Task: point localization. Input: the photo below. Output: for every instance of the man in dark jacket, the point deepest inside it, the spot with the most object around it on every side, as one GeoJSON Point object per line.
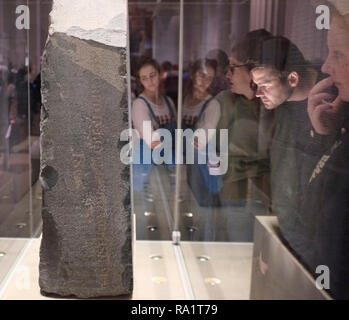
{"type": "Point", "coordinates": [284, 79]}
{"type": "Point", "coordinates": [326, 203]}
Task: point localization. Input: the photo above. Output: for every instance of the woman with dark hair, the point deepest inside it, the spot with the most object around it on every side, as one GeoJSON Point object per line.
{"type": "Point", "coordinates": [156, 110]}
{"type": "Point", "coordinates": [220, 82]}
{"type": "Point", "coordinates": [248, 124]}
{"type": "Point", "coordinates": [201, 111]}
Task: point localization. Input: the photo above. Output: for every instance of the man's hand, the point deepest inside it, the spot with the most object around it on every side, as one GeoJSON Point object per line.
{"type": "Point", "coordinates": [155, 140]}
{"type": "Point", "coordinates": [155, 144]}
{"type": "Point", "coordinates": [196, 143]}
{"type": "Point", "coordinates": [323, 114]}
{"type": "Point", "coordinates": [200, 143]}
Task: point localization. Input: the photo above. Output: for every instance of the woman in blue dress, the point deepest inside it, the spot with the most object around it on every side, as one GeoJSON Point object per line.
{"type": "Point", "coordinates": [151, 110]}
{"type": "Point", "coordinates": [201, 111]}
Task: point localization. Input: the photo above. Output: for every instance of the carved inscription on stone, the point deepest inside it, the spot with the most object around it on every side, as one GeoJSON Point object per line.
{"type": "Point", "coordinates": [86, 245]}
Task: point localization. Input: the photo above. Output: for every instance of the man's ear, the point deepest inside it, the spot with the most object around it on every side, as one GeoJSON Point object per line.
{"type": "Point", "coordinates": [293, 79]}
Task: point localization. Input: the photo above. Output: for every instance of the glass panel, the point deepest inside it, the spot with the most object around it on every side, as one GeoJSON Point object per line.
{"type": "Point", "coordinates": [243, 81]}
{"type": "Point", "coordinates": [38, 32]}
{"type": "Point", "coordinates": [222, 198]}
{"type": "Point", "coordinates": [15, 179]}
{"type": "Point", "coordinates": [154, 68]}
{"type": "Point", "coordinates": [23, 32]}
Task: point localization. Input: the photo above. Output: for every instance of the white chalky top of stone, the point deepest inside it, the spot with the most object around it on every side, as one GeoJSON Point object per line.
{"type": "Point", "coordinates": [104, 21]}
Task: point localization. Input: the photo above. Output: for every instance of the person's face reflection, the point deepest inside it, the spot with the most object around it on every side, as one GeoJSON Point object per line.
{"type": "Point", "coordinates": [149, 78]}
{"type": "Point", "coordinates": [203, 79]}
{"type": "Point", "coordinates": [337, 62]}
{"type": "Point", "coordinates": [270, 89]}
{"type": "Point", "coordinates": [240, 79]}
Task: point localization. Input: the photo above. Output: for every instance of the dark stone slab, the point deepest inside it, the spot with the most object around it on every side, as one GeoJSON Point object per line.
{"type": "Point", "coordinates": [86, 244]}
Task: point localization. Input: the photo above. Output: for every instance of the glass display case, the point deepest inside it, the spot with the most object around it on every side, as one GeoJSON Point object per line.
{"type": "Point", "coordinates": [23, 33]}
{"type": "Point", "coordinates": [219, 63]}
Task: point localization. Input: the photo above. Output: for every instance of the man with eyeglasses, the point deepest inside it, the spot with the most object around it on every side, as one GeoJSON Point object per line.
{"type": "Point", "coordinates": [244, 117]}
{"type": "Point", "coordinates": [284, 80]}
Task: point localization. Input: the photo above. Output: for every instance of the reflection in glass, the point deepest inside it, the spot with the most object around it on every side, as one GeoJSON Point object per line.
{"type": "Point", "coordinates": [249, 68]}
{"type": "Point", "coordinates": [154, 95]}
{"type": "Point", "coordinates": [20, 103]}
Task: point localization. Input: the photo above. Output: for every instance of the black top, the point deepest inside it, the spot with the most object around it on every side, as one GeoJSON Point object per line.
{"type": "Point", "coordinates": [294, 153]}
{"type": "Point", "coordinates": [325, 214]}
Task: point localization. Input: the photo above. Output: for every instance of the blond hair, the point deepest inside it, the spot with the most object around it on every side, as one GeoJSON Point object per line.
{"type": "Point", "coordinates": [340, 9]}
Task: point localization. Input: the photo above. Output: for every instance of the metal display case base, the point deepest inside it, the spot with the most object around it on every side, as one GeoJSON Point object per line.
{"type": "Point", "coordinates": [276, 273]}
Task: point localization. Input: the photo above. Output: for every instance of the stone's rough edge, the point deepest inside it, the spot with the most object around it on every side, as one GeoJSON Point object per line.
{"type": "Point", "coordinates": [106, 25]}
{"type": "Point", "coordinates": [127, 273]}
{"type": "Point", "coordinates": [113, 38]}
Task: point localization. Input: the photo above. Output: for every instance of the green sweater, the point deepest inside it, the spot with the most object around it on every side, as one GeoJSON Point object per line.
{"type": "Point", "coordinates": [249, 127]}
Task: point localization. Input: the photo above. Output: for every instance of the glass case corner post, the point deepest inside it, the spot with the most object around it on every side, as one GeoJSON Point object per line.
{"type": "Point", "coordinates": [176, 232]}
{"type": "Point", "coordinates": [27, 64]}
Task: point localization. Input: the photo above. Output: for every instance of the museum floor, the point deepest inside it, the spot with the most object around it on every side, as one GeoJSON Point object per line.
{"type": "Point", "coordinates": [193, 270]}
{"type": "Point", "coordinates": [178, 274]}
